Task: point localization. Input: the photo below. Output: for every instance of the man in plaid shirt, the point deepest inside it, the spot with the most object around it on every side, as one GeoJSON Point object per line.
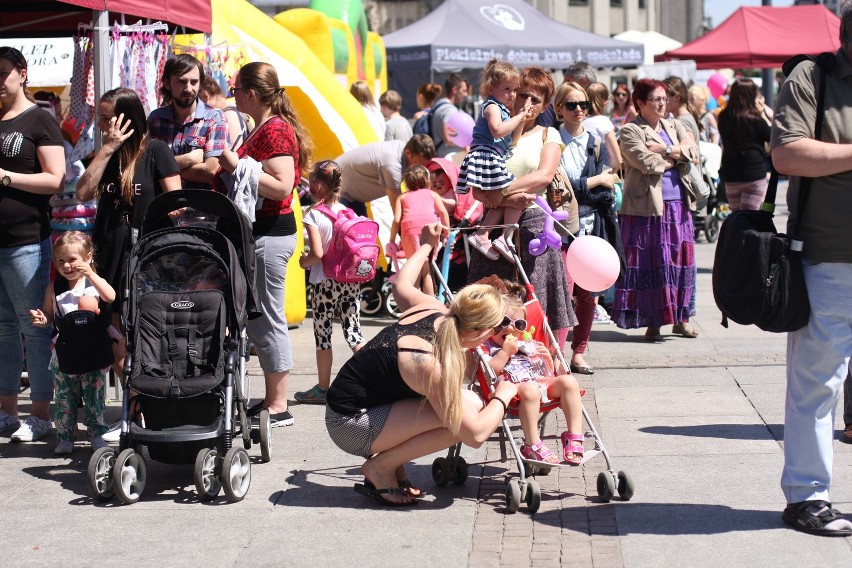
{"type": "Point", "coordinates": [197, 134]}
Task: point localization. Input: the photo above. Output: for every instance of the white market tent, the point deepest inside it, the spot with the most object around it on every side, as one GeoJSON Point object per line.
{"type": "Point", "coordinates": [655, 43]}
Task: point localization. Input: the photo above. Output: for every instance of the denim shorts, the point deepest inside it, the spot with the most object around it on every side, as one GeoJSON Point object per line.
{"type": "Point", "coordinates": [24, 276]}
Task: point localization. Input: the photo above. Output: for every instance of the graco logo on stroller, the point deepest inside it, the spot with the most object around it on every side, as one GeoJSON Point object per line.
{"type": "Point", "coordinates": [183, 305]}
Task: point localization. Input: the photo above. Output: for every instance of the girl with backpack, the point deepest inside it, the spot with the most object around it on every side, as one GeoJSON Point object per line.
{"type": "Point", "coordinates": [79, 371]}
{"type": "Point", "coordinates": [330, 298]}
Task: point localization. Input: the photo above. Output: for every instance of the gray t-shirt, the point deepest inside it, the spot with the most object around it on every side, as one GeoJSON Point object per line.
{"type": "Point", "coordinates": [442, 110]}
{"type": "Point", "coordinates": [825, 229]}
{"type": "Point", "coordinates": [398, 128]}
{"type": "Point", "coordinates": [371, 170]}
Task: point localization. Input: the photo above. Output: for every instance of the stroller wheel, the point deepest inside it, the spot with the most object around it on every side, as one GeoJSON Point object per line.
{"type": "Point", "coordinates": [236, 474]}
{"type": "Point", "coordinates": [129, 474]}
{"type": "Point", "coordinates": [711, 228]}
{"type": "Point", "coordinates": [207, 483]}
{"type": "Point", "coordinates": [513, 496]}
{"type": "Point", "coordinates": [461, 472]}
{"type": "Point", "coordinates": [606, 486]}
{"type": "Point", "coordinates": [265, 436]}
{"type": "Point", "coordinates": [441, 474]}
{"type": "Point", "coordinates": [390, 302]}
{"type": "Point", "coordinates": [371, 301]}
{"type": "Point", "coordinates": [99, 474]}
{"type": "Point", "coordinates": [533, 496]}
{"type": "Point", "coordinates": [625, 486]}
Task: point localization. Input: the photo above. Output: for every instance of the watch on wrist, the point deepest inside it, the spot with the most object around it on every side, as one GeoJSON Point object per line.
{"type": "Point", "coordinates": [5, 181]}
{"type": "Point", "coordinates": [668, 150]}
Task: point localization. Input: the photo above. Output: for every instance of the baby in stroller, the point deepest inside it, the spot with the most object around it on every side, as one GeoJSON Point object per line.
{"type": "Point", "coordinates": [524, 360]}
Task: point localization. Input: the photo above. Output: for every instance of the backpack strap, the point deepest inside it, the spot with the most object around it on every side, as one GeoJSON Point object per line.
{"type": "Point", "coordinates": [326, 210]}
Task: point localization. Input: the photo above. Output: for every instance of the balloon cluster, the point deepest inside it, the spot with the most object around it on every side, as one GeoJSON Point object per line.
{"type": "Point", "coordinates": [548, 237]}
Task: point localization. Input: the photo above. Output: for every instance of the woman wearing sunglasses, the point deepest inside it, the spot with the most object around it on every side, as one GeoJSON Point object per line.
{"type": "Point", "coordinates": [32, 167]}
{"type": "Point", "coordinates": [656, 219]}
{"type": "Point", "coordinates": [585, 160]}
{"type": "Point", "coordinates": [623, 110]}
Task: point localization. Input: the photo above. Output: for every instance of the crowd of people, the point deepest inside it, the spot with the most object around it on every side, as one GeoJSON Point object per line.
{"type": "Point", "coordinates": [400, 396]}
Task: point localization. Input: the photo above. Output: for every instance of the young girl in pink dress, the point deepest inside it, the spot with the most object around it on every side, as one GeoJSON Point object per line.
{"type": "Point", "coordinates": [415, 209]}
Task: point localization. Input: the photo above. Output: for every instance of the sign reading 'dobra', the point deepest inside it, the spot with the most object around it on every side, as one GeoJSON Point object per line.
{"type": "Point", "coordinates": [503, 16]}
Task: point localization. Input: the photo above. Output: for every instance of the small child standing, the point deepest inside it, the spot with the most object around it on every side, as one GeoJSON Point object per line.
{"type": "Point", "coordinates": [509, 362]}
{"type": "Point", "coordinates": [494, 133]}
{"type": "Point", "coordinates": [78, 288]}
{"type": "Point", "coordinates": [415, 209]}
{"type": "Point", "coordinates": [330, 298]}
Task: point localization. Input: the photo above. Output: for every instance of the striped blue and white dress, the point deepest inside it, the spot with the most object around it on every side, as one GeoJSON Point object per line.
{"type": "Point", "coordinates": [485, 165]}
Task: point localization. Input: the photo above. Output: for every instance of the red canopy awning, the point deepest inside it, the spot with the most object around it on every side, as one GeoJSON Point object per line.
{"type": "Point", "coordinates": [60, 17]}
{"type": "Point", "coordinates": [762, 37]}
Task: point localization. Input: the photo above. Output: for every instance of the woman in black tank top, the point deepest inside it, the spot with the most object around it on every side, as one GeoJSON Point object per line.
{"type": "Point", "coordinates": [400, 396]}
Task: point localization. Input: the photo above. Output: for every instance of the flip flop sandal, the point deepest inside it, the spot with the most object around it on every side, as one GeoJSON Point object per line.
{"type": "Point", "coordinates": [813, 517]}
{"type": "Point", "coordinates": [409, 489]}
{"type": "Point", "coordinates": [572, 453]}
{"type": "Point", "coordinates": [537, 454]}
{"type": "Point", "coordinates": [684, 330]}
{"type": "Point", "coordinates": [367, 489]}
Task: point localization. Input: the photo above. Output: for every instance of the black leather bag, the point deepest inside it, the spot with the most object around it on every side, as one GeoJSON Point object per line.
{"type": "Point", "coordinates": [757, 276]}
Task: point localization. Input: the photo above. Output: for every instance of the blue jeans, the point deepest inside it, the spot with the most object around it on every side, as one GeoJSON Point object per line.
{"type": "Point", "coordinates": [24, 276]}
{"type": "Point", "coordinates": [817, 364]}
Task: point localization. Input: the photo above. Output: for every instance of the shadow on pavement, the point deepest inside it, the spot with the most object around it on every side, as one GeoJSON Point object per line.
{"type": "Point", "coordinates": [724, 431]}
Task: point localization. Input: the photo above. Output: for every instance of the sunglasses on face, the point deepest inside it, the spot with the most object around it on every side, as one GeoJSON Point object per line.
{"type": "Point", "coordinates": [234, 90]}
{"type": "Point", "coordinates": [621, 94]}
{"type": "Point", "coordinates": [518, 324]}
{"type": "Point", "coordinates": [572, 105]}
{"type": "Point", "coordinates": [535, 100]}
{"type": "Point", "coordinates": [658, 100]}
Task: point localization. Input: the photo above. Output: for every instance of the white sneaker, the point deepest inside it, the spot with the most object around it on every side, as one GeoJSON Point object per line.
{"type": "Point", "coordinates": [8, 422]}
{"type": "Point", "coordinates": [64, 448]}
{"type": "Point", "coordinates": [32, 429]}
{"type": "Point", "coordinates": [114, 432]}
{"type": "Point", "coordinates": [600, 315]}
{"type": "Point", "coordinates": [97, 442]}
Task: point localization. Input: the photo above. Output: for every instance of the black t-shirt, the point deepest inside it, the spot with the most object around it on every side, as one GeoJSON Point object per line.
{"type": "Point", "coordinates": [747, 162]}
{"type": "Point", "coordinates": [24, 218]}
{"type": "Point", "coordinates": [111, 237]}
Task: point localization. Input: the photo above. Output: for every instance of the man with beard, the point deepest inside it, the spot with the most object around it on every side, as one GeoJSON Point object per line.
{"type": "Point", "coordinates": [197, 134]}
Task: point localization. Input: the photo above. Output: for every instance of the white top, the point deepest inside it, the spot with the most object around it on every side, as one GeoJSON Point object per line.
{"type": "Point", "coordinates": [67, 301]}
{"type": "Point", "coordinates": [599, 125]}
{"type": "Point", "coordinates": [574, 156]}
{"type": "Point", "coordinates": [325, 226]}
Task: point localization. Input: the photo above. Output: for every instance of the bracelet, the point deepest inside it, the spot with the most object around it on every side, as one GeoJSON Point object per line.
{"type": "Point", "coordinates": [500, 400]}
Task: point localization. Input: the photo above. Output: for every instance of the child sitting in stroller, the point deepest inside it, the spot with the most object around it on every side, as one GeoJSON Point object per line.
{"type": "Point", "coordinates": [529, 362]}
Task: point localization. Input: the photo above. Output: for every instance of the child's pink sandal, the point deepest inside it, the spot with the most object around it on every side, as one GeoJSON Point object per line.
{"type": "Point", "coordinates": [538, 452]}
{"type": "Point", "coordinates": [572, 453]}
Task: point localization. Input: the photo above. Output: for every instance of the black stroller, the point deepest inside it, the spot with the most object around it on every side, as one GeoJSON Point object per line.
{"type": "Point", "coordinates": [189, 295]}
{"type": "Point", "coordinates": [708, 219]}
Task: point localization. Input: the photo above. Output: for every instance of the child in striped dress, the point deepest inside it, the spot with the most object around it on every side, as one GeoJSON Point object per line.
{"type": "Point", "coordinates": [494, 133]}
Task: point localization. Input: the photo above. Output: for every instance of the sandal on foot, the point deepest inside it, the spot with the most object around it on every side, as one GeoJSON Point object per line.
{"type": "Point", "coordinates": [369, 490]}
{"type": "Point", "coordinates": [538, 453]}
{"type": "Point", "coordinates": [572, 453]}
{"type": "Point", "coordinates": [816, 517]}
{"type": "Point", "coordinates": [685, 330]}
{"type": "Point", "coordinates": [410, 489]}
{"type": "Point", "coordinates": [483, 245]}
{"type": "Point", "coordinates": [846, 435]}
{"type": "Point", "coordinates": [652, 334]}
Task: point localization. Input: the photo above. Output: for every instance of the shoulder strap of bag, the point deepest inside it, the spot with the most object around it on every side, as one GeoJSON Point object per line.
{"type": "Point", "coordinates": [825, 64]}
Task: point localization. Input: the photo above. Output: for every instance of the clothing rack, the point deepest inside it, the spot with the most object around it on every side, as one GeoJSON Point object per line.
{"type": "Point", "coordinates": [126, 28]}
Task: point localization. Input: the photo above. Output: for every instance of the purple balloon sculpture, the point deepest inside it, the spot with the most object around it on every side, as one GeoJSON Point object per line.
{"type": "Point", "coordinates": [548, 237]}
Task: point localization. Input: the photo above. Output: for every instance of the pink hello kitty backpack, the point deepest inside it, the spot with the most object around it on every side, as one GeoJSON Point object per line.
{"type": "Point", "coordinates": [354, 248]}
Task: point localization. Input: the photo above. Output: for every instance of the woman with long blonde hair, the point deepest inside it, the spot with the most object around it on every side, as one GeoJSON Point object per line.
{"type": "Point", "coordinates": [400, 396]}
{"type": "Point", "coordinates": [278, 150]}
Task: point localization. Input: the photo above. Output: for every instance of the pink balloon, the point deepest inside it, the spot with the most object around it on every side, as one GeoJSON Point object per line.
{"type": "Point", "coordinates": [717, 84]}
{"type": "Point", "coordinates": [462, 124]}
{"type": "Point", "coordinates": [592, 263]}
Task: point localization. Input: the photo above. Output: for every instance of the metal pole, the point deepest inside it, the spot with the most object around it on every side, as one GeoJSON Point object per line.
{"type": "Point", "coordinates": [102, 71]}
{"type": "Point", "coordinates": [768, 76]}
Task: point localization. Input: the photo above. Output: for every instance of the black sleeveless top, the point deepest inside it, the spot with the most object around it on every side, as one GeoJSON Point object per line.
{"type": "Point", "coordinates": [371, 376]}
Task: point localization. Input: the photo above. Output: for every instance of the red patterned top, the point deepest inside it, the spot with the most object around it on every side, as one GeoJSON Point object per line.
{"type": "Point", "coordinates": [275, 137]}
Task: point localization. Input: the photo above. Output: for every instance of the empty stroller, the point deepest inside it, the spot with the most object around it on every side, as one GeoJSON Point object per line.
{"type": "Point", "coordinates": [189, 296]}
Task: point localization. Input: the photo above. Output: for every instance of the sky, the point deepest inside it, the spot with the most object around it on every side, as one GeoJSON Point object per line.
{"type": "Point", "coordinates": [719, 10]}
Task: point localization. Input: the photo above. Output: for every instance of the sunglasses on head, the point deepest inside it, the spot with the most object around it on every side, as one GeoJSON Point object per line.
{"type": "Point", "coordinates": [573, 105]}
{"type": "Point", "coordinates": [518, 324]}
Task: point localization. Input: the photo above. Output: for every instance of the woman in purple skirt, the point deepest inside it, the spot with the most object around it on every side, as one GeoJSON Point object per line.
{"type": "Point", "coordinates": [656, 220]}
